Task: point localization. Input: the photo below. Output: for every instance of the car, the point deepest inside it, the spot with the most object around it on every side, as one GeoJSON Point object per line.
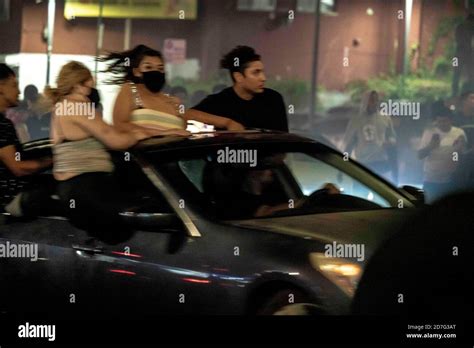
{"type": "Point", "coordinates": [251, 222]}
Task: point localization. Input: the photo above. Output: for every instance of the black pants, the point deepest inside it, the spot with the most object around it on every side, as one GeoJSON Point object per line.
{"type": "Point", "coordinates": [92, 202]}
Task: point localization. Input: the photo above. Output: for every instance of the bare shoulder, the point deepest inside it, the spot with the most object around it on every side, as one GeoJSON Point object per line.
{"type": "Point", "coordinates": [126, 88]}
{"type": "Point", "coordinates": [172, 99]}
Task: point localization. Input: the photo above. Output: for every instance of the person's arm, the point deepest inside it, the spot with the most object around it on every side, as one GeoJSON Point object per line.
{"type": "Point", "coordinates": [8, 156]}
{"type": "Point", "coordinates": [217, 121]}
{"type": "Point", "coordinates": [426, 148]}
{"type": "Point", "coordinates": [460, 143]}
{"type": "Point", "coordinates": [208, 111]}
{"type": "Point", "coordinates": [391, 135]}
{"type": "Point", "coordinates": [110, 136]}
{"type": "Point", "coordinates": [349, 139]}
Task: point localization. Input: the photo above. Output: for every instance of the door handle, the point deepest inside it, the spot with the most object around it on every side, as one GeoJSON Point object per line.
{"type": "Point", "coordinates": [88, 249]}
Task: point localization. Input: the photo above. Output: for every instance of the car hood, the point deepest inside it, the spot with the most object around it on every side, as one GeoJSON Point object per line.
{"type": "Point", "coordinates": [369, 227]}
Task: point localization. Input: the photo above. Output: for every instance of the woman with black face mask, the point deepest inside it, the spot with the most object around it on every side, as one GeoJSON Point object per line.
{"type": "Point", "coordinates": [141, 102]}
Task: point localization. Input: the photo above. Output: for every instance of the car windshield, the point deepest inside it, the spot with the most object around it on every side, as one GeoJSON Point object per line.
{"type": "Point", "coordinates": [245, 182]}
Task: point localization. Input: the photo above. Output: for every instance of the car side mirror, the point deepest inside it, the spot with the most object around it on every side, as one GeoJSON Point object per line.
{"type": "Point", "coordinates": [417, 194]}
{"type": "Point", "coordinates": [163, 222]}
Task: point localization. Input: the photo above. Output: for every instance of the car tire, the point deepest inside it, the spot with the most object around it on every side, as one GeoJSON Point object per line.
{"type": "Point", "coordinates": [287, 302]}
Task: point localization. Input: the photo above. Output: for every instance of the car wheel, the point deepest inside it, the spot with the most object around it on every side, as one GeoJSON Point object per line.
{"type": "Point", "coordinates": [288, 302]}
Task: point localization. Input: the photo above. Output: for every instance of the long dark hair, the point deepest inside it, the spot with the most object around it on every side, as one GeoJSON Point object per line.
{"type": "Point", "coordinates": [121, 64]}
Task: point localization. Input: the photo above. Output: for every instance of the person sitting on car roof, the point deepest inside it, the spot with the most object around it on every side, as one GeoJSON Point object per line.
{"type": "Point", "coordinates": [11, 165]}
{"type": "Point", "coordinates": [141, 102]}
{"type": "Point", "coordinates": [82, 164]}
{"type": "Point", "coordinates": [247, 101]}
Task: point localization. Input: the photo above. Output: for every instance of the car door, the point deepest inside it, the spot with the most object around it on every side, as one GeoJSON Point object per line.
{"type": "Point", "coordinates": [41, 277]}
{"type": "Point", "coordinates": [137, 276]}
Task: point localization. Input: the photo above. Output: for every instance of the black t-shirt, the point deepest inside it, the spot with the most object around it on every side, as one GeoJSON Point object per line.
{"type": "Point", "coordinates": [265, 110]}
{"type": "Point", "coordinates": [9, 184]}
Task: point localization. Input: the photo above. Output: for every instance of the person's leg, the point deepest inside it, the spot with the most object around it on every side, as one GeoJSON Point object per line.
{"type": "Point", "coordinates": [75, 195]}
{"type": "Point", "coordinates": [94, 202]}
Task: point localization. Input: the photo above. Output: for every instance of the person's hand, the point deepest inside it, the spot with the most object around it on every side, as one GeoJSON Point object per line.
{"type": "Point", "coordinates": [175, 132]}
{"type": "Point", "coordinates": [458, 144]}
{"type": "Point", "coordinates": [300, 202]}
{"type": "Point", "coordinates": [235, 126]}
{"type": "Point", "coordinates": [264, 210]}
{"type": "Point", "coordinates": [435, 141]}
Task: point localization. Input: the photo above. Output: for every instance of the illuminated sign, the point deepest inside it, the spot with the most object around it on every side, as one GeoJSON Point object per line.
{"type": "Point", "coordinates": [158, 9]}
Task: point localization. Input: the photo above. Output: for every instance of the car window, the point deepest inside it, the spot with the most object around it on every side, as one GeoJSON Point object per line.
{"type": "Point", "coordinates": [135, 186]}
{"type": "Point", "coordinates": [313, 174]}
{"type": "Point", "coordinates": [276, 184]}
{"type": "Point", "coordinates": [194, 169]}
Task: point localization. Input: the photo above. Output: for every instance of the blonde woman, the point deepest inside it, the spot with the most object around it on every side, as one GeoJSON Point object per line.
{"type": "Point", "coordinates": [82, 165]}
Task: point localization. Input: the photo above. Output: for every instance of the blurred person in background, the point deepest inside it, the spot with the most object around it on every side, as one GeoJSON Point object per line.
{"type": "Point", "coordinates": [371, 136]}
{"type": "Point", "coordinates": [247, 102]}
{"type": "Point", "coordinates": [11, 165]}
{"type": "Point", "coordinates": [39, 117]}
{"type": "Point", "coordinates": [198, 96]}
{"type": "Point", "coordinates": [441, 147]}
{"type": "Point", "coordinates": [465, 110]}
{"type": "Point", "coordinates": [141, 102]}
{"type": "Point", "coordinates": [21, 113]}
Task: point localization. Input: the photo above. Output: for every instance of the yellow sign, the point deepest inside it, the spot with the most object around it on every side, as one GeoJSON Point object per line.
{"type": "Point", "coordinates": [159, 9]}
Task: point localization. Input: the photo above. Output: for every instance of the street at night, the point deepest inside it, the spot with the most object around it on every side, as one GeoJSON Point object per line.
{"type": "Point", "coordinates": [245, 172]}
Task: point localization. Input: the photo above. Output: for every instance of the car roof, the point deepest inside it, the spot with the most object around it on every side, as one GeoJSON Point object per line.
{"type": "Point", "coordinates": [219, 138]}
{"type": "Point", "coordinates": [204, 139]}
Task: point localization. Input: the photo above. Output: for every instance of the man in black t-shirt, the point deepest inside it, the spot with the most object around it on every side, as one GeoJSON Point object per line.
{"type": "Point", "coordinates": [247, 102]}
{"type": "Point", "coordinates": [11, 165]}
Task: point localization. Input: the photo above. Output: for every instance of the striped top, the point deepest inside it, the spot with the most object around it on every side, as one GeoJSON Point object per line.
{"type": "Point", "coordinates": [152, 118]}
{"type": "Point", "coordinates": [156, 119]}
{"type": "Point", "coordinates": [81, 156]}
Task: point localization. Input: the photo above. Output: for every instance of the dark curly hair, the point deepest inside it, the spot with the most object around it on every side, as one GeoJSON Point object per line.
{"type": "Point", "coordinates": [5, 72]}
{"type": "Point", "coordinates": [238, 59]}
{"type": "Point", "coordinates": [439, 109]}
{"type": "Point", "coordinates": [121, 64]}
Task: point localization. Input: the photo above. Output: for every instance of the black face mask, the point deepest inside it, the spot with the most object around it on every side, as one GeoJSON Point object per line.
{"type": "Point", "coordinates": [94, 97]}
{"type": "Point", "coordinates": [154, 80]}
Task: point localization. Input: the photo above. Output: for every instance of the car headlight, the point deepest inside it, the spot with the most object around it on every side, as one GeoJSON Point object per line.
{"type": "Point", "coordinates": [342, 272]}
